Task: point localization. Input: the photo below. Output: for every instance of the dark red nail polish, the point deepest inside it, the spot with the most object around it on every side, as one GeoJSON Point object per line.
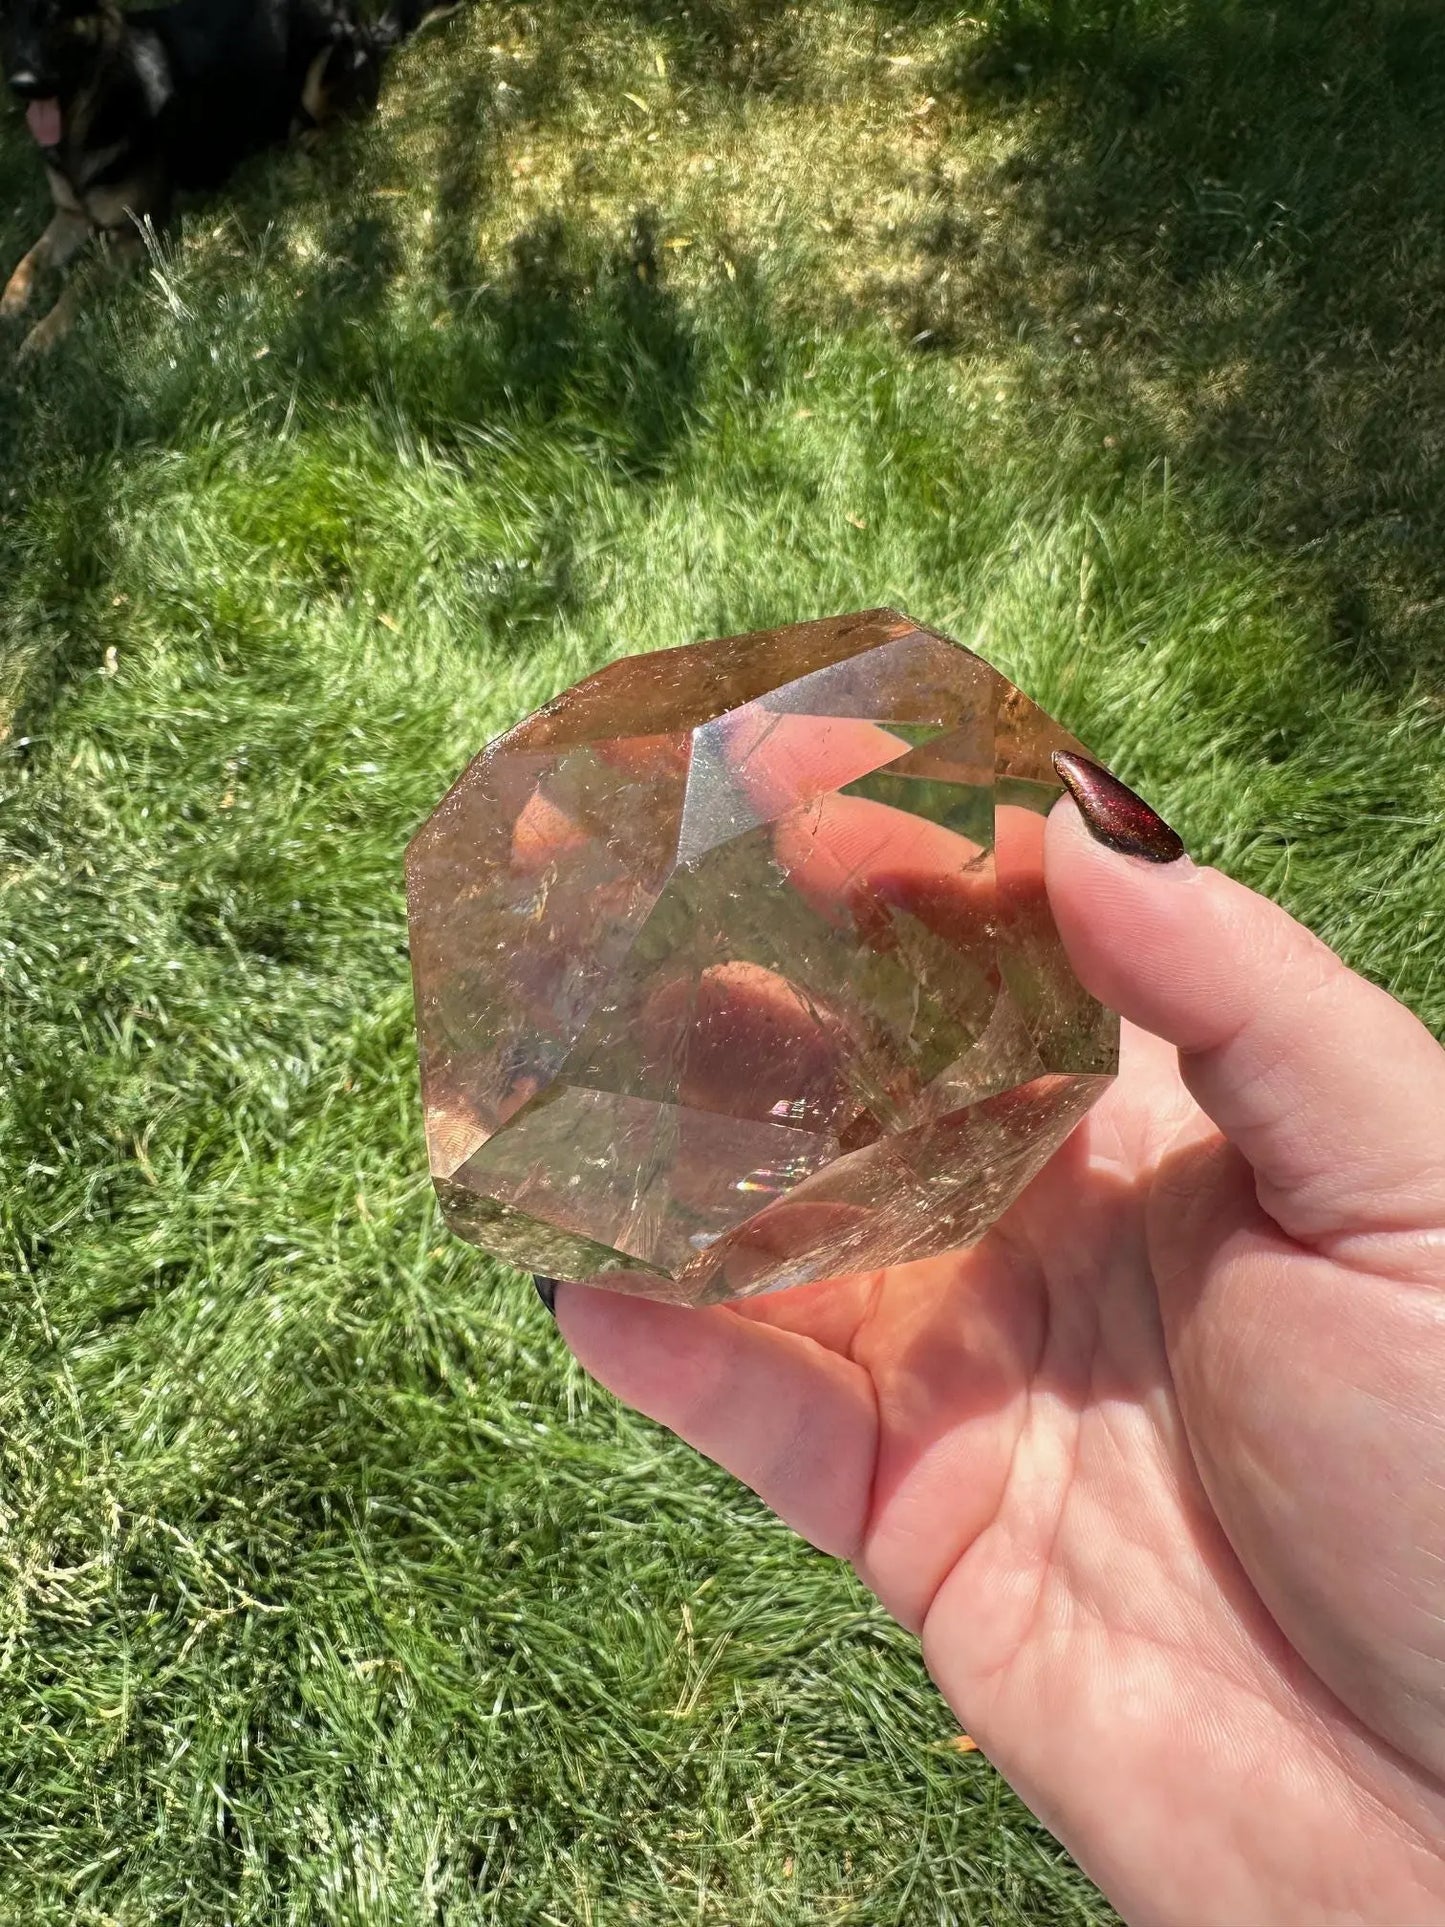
{"type": "Point", "coordinates": [547, 1292]}
{"type": "Point", "coordinates": [1113, 814]}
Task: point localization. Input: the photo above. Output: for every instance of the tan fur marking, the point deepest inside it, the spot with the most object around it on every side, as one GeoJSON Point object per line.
{"type": "Point", "coordinates": [126, 248]}
{"type": "Point", "coordinates": [117, 207]}
{"type": "Point", "coordinates": [61, 192]}
{"type": "Point", "coordinates": [56, 324]}
{"type": "Point", "coordinates": [313, 91]}
{"type": "Point", "coordinates": [21, 285]}
{"type": "Point", "coordinates": [110, 31]}
{"type": "Point", "coordinates": [62, 239]}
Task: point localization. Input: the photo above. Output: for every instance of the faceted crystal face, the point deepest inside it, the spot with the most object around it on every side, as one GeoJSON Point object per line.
{"type": "Point", "coordinates": [734, 966]}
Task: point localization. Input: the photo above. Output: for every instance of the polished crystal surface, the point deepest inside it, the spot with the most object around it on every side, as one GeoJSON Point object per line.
{"type": "Point", "coordinates": [734, 966]}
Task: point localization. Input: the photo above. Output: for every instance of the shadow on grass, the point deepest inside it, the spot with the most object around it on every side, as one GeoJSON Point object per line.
{"type": "Point", "coordinates": [574, 340]}
{"type": "Point", "coordinates": [1215, 232]}
{"type": "Point", "coordinates": [1221, 239]}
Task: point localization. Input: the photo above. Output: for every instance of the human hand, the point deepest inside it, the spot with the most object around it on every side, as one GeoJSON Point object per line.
{"type": "Point", "coordinates": [1157, 1470]}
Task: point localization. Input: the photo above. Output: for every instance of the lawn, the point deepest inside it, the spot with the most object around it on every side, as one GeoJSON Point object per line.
{"type": "Point", "coordinates": [1103, 334]}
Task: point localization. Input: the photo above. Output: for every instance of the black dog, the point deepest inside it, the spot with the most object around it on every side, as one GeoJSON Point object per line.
{"type": "Point", "coordinates": [129, 108]}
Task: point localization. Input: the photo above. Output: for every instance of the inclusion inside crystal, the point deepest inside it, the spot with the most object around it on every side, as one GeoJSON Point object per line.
{"type": "Point", "coordinates": [734, 966]}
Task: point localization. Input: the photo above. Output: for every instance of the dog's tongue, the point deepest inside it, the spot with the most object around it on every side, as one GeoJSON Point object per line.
{"type": "Point", "coordinates": [42, 117]}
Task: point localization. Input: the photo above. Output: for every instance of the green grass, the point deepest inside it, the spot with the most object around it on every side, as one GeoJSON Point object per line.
{"type": "Point", "coordinates": [1104, 335]}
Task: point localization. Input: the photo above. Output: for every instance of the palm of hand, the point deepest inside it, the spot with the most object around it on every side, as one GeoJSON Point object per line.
{"type": "Point", "coordinates": [1031, 1500]}
{"type": "Point", "coordinates": [1160, 1483]}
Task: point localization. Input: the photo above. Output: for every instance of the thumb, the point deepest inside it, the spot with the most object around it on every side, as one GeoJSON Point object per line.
{"type": "Point", "coordinates": [1332, 1091]}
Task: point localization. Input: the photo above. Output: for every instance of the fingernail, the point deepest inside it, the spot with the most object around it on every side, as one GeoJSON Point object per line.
{"type": "Point", "coordinates": [1114, 815]}
{"type": "Point", "coordinates": [547, 1292]}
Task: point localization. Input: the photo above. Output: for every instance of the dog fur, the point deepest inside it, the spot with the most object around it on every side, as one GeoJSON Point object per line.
{"type": "Point", "coordinates": [131, 108]}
